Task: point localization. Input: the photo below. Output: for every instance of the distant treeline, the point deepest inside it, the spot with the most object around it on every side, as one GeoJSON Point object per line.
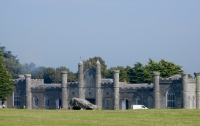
{"type": "Point", "coordinates": [138, 73]}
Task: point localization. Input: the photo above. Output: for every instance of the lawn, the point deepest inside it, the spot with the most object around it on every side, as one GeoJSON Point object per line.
{"type": "Point", "coordinates": [152, 117]}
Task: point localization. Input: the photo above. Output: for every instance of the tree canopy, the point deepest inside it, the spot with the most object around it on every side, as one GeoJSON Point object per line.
{"type": "Point", "coordinates": [11, 62]}
{"type": "Point", "coordinates": [139, 73]}
{"type": "Point", "coordinates": [49, 74]}
{"type": "Point", "coordinates": [143, 74]}
{"type": "Point", "coordinates": [6, 83]}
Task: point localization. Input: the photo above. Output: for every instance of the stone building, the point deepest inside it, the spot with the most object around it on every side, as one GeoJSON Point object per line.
{"type": "Point", "coordinates": [178, 91]}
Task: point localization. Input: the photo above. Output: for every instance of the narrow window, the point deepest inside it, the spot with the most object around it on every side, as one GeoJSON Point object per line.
{"type": "Point", "coordinates": [35, 100]}
{"type": "Point", "coordinates": [170, 99]}
{"type": "Point", "coordinates": [107, 103]}
{"type": "Point", "coordinates": [73, 93]}
{"type": "Point", "coordinates": [89, 93]}
{"type": "Point", "coordinates": [138, 101]}
{"type": "Point", "coordinates": [150, 102]}
{"type": "Point", "coordinates": [46, 102]}
{"type": "Point", "coordinates": [16, 99]}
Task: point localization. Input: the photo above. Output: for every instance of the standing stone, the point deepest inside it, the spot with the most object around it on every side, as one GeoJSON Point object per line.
{"type": "Point", "coordinates": [28, 91]}
{"type": "Point", "coordinates": [81, 81]}
{"type": "Point", "coordinates": [156, 89]}
{"type": "Point", "coordinates": [197, 75]}
{"type": "Point", "coordinates": [116, 89]}
{"type": "Point", "coordinates": [98, 85]}
{"type": "Point", "coordinates": [185, 89]}
{"type": "Point", "coordinates": [64, 90]}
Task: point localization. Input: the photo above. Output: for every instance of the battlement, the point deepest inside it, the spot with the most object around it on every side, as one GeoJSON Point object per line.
{"type": "Point", "coordinates": [37, 81]}
{"type": "Point", "coordinates": [71, 83]}
{"type": "Point", "coordinates": [168, 80]}
{"type": "Point", "coordinates": [136, 86]}
{"type": "Point", "coordinates": [46, 86]}
{"type": "Point", "coordinates": [16, 81]}
{"type": "Point", "coordinates": [107, 83]}
{"type": "Point", "coordinates": [191, 80]}
{"type": "Point", "coordinates": [136, 89]}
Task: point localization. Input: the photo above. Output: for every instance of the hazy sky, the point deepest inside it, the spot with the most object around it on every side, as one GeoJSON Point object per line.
{"type": "Point", "coordinates": [54, 33]}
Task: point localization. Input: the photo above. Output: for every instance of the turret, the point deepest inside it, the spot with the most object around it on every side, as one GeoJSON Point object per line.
{"type": "Point", "coordinates": [64, 90]}
{"type": "Point", "coordinates": [98, 85]}
{"type": "Point", "coordinates": [116, 89]}
{"type": "Point", "coordinates": [197, 76]}
{"type": "Point", "coordinates": [28, 91]}
{"type": "Point", "coordinates": [185, 89]}
{"type": "Point", "coordinates": [156, 89]}
{"type": "Point", "coordinates": [80, 80]}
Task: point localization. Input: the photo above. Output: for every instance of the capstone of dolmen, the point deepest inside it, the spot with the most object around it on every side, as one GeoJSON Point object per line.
{"type": "Point", "coordinates": [78, 103]}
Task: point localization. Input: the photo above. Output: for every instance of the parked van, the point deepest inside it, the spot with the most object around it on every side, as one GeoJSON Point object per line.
{"type": "Point", "coordinates": [139, 107]}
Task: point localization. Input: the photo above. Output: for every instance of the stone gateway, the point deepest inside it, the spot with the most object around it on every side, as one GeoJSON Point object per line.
{"type": "Point", "coordinates": [177, 91]}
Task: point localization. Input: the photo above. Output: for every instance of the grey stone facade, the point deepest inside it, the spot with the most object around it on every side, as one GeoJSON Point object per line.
{"type": "Point", "coordinates": [178, 91]}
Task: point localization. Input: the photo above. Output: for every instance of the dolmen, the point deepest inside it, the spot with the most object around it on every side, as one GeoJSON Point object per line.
{"type": "Point", "coordinates": [82, 104]}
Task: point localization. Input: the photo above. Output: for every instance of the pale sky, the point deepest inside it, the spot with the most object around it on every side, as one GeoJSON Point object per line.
{"type": "Point", "coordinates": [54, 33]}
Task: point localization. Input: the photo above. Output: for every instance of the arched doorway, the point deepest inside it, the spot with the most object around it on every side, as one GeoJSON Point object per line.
{"type": "Point", "coordinates": [58, 103]}
{"type": "Point", "coordinates": [125, 105]}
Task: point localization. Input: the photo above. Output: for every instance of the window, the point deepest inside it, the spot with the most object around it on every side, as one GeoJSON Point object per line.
{"type": "Point", "coordinates": [170, 99]}
{"type": "Point", "coordinates": [46, 100]}
{"type": "Point", "coordinates": [150, 102]}
{"type": "Point", "coordinates": [89, 93]}
{"type": "Point", "coordinates": [73, 93]}
{"type": "Point", "coordinates": [35, 101]}
{"type": "Point", "coordinates": [138, 101]}
{"type": "Point", "coordinates": [193, 102]}
{"type": "Point", "coordinates": [107, 103]}
{"type": "Point", "coordinates": [16, 99]}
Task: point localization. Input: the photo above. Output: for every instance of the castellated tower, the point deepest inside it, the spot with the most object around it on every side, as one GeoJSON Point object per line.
{"type": "Point", "coordinates": [64, 90]}
{"type": "Point", "coordinates": [81, 81]}
{"type": "Point", "coordinates": [98, 85]}
{"type": "Point", "coordinates": [116, 89]}
{"type": "Point", "coordinates": [185, 90]}
{"type": "Point", "coordinates": [197, 76]}
{"type": "Point", "coordinates": [28, 91]}
{"type": "Point", "coordinates": [156, 89]}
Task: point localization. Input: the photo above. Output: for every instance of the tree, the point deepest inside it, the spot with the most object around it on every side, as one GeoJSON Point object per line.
{"type": "Point", "coordinates": [143, 74]}
{"type": "Point", "coordinates": [52, 75]}
{"type": "Point", "coordinates": [49, 75]}
{"type": "Point", "coordinates": [29, 67]}
{"type": "Point", "coordinates": [6, 83]}
{"type": "Point", "coordinates": [11, 63]}
{"type": "Point", "coordinates": [123, 76]}
{"type": "Point", "coordinates": [71, 77]}
{"type": "Point", "coordinates": [139, 74]}
{"type": "Point", "coordinates": [166, 68]}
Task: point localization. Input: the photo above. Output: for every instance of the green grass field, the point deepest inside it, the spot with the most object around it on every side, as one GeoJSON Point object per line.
{"type": "Point", "coordinates": [153, 117]}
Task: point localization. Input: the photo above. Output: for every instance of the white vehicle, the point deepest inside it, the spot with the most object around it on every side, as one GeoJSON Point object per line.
{"type": "Point", "coordinates": [139, 107]}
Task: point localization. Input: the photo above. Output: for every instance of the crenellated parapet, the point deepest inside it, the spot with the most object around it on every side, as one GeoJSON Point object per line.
{"type": "Point", "coordinates": [46, 86]}
{"type": "Point", "coordinates": [169, 80]}
{"type": "Point", "coordinates": [37, 81]}
{"type": "Point", "coordinates": [136, 87]}
{"type": "Point", "coordinates": [72, 83]}
{"type": "Point", "coordinates": [191, 80]}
